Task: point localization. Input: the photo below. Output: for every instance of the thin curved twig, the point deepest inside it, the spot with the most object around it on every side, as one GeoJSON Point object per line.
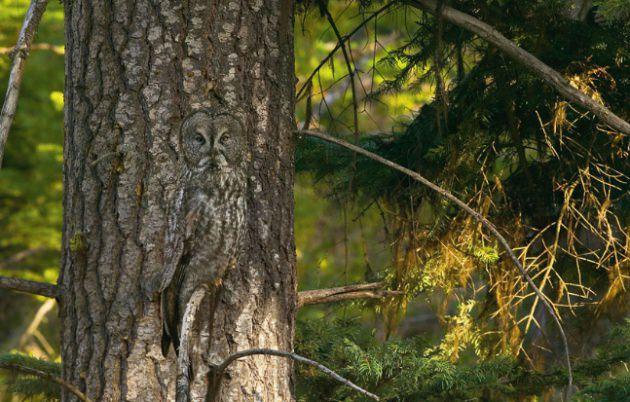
{"type": "Point", "coordinates": [439, 80]}
{"type": "Point", "coordinates": [27, 33]}
{"type": "Point", "coordinates": [46, 376]}
{"type": "Point", "coordinates": [476, 215]}
{"type": "Point", "coordinates": [341, 43]}
{"type": "Point", "coordinates": [219, 369]}
{"type": "Point", "coordinates": [351, 72]}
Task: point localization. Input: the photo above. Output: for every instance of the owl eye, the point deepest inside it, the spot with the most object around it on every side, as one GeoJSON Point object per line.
{"type": "Point", "coordinates": [224, 139]}
{"type": "Point", "coordinates": [198, 139]}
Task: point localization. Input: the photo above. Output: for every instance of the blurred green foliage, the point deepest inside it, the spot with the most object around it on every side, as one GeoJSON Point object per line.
{"type": "Point", "coordinates": [31, 184]}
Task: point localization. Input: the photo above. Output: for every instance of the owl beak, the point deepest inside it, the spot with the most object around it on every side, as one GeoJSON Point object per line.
{"type": "Point", "coordinates": [217, 160]}
{"type": "Point", "coordinates": [213, 165]}
{"type": "Point", "coordinates": [204, 162]}
{"type": "Point", "coordinates": [207, 162]}
{"type": "Point", "coordinates": [212, 162]}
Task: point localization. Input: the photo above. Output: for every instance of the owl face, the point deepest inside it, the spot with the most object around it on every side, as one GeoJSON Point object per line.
{"type": "Point", "coordinates": [212, 142]}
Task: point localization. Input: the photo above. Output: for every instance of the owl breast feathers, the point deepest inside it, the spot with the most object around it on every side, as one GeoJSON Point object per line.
{"type": "Point", "coordinates": [209, 220]}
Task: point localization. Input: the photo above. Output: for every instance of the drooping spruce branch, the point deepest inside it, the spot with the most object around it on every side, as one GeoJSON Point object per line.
{"type": "Point", "coordinates": [26, 286]}
{"type": "Point", "coordinates": [350, 292]}
{"type": "Point", "coordinates": [27, 33]}
{"type": "Point", "coordinates": [476, 215]}
{"type": "Point", "coordinates": [15, 366]}
{"type": "Point", "coordinates": [526, 59]}
{"type": "Point", "coordinates": [220, 368]}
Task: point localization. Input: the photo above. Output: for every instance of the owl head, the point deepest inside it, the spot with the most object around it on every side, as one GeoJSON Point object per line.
{"type": "Point", "coordinates": [212, 141]}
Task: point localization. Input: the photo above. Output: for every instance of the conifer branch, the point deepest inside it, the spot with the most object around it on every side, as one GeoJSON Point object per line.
{"type": "Point", "coordinates": [219, 369]}
{"type": "Point", "coordinates": [46, 376]}
{"type": "Point", "coordinates": [526, 59]}
{"type": "Point", "coordinates": [476, 215]}
{"type": "Point", "coordinates": [350, 292]}
{"type": "Point", "coordinates": [27, 33]}
{"type": "Point", "coordinates": [26, 286]}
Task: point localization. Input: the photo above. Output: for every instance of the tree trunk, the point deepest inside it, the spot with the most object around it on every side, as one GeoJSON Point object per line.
{"type": "Point", "coordinates": [134, 71]}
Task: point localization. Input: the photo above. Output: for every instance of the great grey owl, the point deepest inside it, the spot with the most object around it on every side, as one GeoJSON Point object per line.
{"type": "Point", "coordinates": [208, 218]}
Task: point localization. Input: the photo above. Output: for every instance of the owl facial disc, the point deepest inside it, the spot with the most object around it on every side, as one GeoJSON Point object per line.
{"type": "Point", "coordinates": [212, 141]}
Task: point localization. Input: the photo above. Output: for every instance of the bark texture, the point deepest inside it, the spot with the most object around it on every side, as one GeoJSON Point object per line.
{"type": "Point", "coordinates": [134, 71]}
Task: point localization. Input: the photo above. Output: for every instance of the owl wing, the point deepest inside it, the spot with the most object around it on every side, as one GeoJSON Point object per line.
{"type": "Point", "coordinates": [195, 206]}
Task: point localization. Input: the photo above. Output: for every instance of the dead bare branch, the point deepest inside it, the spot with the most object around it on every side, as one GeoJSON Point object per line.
{"type": "Point", "coordinates": [58, 50]}
{"type": "Point", "coordinates": [27, 33]}
{"type": "Point", "coordinates": [183, 358]}
{"type": "Point", "coordinates": [219, 369]}
{"type": "Point", "coordinates": [44, 309]}
{"type": "Point", "coordinates": [46, 376]}
{"type": "Point", "coordinates": [351, 72]}
{"type": "Point", "coordinates": [342, 293]}
{"type": "Point", "coordinates": [476, 215]}
{"type": "Point", "coordinates": [526, 59]}
{"type": "Point", "coordinates": [26, 286]}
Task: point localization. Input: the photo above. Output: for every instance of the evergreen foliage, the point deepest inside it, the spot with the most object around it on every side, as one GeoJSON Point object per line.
{"type": "Point", "coordinates": [410, 370]}
{"type": "Point", "coordinates": [547, 174]}
{"type": "Point", "coordinates": [401, 370]}
{"type": "Point", "coordinates": [30, 177]}
{"type": "Point", "coordinates": [27, 386]}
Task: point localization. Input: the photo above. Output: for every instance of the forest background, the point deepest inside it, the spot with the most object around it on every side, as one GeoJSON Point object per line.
{"type": "Point", "coordinates": [437, 99]}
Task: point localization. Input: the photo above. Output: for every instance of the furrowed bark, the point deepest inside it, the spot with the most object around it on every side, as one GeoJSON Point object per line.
{"type": "Point", "coordinates": [527, 60]}
{"type": "Point", "coordinates": [476, 215]}
{"type": "Point", "coordinates": [26, 286]}
{"type": "Point", "coordinates": [27, 33]}
{"type": "Point", "coordinates": [134, 70]}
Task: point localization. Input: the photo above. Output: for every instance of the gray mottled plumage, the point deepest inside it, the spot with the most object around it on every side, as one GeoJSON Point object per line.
{"type": "Point", "coordinates": [206, 225]}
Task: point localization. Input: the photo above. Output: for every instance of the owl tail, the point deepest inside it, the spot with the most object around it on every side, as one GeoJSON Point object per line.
{"type": "Point", "coordinates": [168, 305]}
{"type": "Point", "coordinates": [166, 343]}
